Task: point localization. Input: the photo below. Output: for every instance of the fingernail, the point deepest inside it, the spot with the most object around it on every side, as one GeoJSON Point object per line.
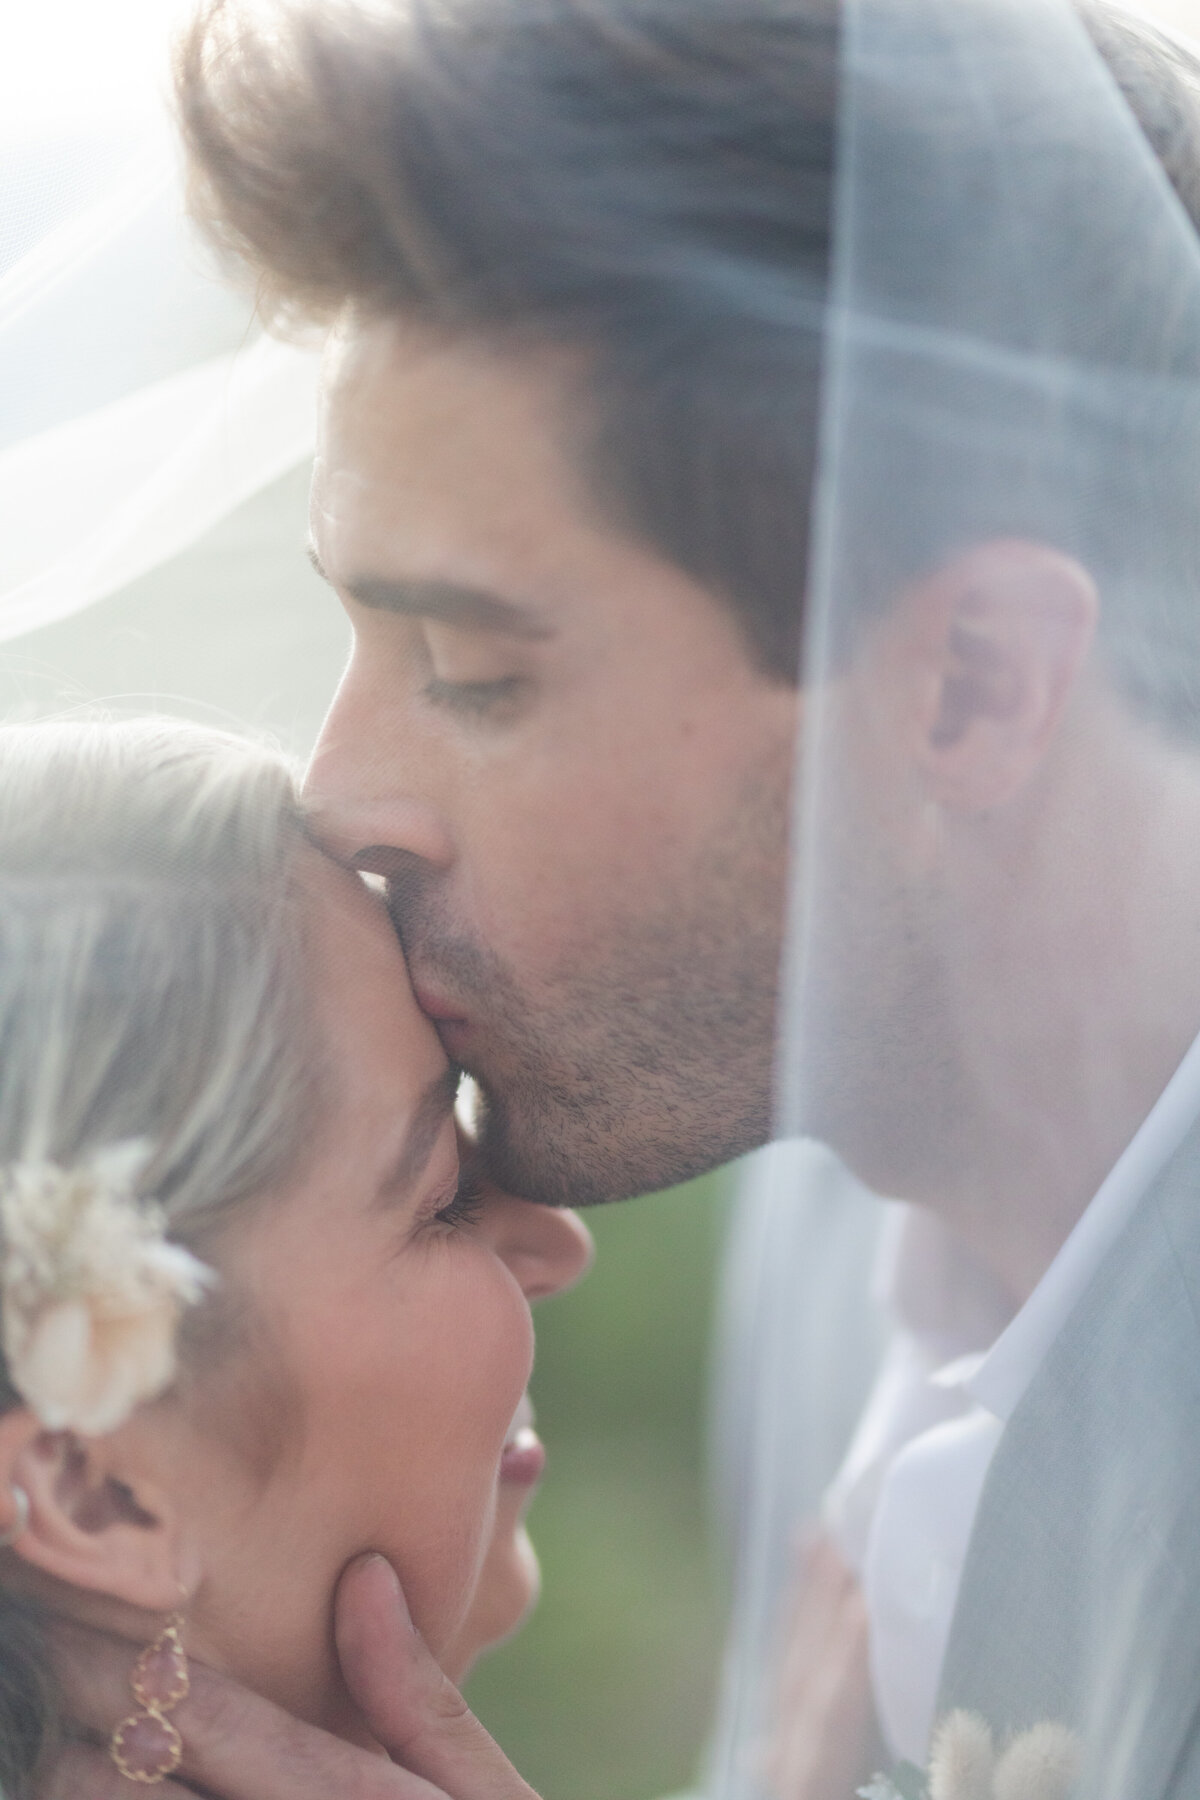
{"type": "Point", "coordinates": [375, 1559]}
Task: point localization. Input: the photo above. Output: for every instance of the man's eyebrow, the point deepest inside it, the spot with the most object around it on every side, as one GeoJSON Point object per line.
{"type": "Point", "coordinates": [424, 1128]}
{"type": "Point", "coordinates": [445, 601]}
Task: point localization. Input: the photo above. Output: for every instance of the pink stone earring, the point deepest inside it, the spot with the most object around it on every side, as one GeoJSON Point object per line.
{"type": "Point", "coordinates": [146, 1746]}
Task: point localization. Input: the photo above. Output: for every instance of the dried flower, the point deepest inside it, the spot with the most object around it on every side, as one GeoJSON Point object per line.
{"type": "Point", "coordinates": [962, 1760]}
{"type": "Point", "coordinates": [1041, 1764]}
{"type": "Point", "coordinates": [91, 1291]}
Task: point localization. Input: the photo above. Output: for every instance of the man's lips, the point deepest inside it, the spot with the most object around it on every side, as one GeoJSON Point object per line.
{"type": "Point", "coordinates": [447, 1016]}
{"type": "Point", "coordinates": [436, 1006]}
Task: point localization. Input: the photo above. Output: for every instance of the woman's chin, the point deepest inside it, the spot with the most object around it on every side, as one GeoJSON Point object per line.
{"type": "Point", "coordinates": [507, 1593]}
{"type": "Point", "coordinates": [529, 1572]}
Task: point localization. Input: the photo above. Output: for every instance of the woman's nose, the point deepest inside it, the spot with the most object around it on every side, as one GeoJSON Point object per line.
{"type": "Point", "coordinates": [547, 1248]}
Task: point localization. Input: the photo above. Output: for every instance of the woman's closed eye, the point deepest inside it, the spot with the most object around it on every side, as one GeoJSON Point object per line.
{"type": "Point", "coordinates": [465, 1206]}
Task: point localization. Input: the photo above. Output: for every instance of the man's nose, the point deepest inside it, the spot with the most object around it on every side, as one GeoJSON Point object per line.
{"type": "Point", "coordinates": [547, 1248]}
{"type": "Point", "coordinates": [362, 801]}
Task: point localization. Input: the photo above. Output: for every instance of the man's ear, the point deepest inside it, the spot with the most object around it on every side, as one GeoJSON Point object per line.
{"type": "Point", "coordinates": [1003, 631]}
{"type": "Point", "coordinates": [91, 1524]}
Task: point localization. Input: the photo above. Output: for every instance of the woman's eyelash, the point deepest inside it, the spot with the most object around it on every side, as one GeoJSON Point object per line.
{"type": "Point", "coordinates": [465, 1207]}
{"type": "Point", "coordinates": [472, 697]}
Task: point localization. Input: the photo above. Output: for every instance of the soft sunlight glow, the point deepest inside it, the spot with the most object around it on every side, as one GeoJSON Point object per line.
{"type": "Point", "coordinates": [1184, 15]}
{"type": "Point", "coordinates": [62, 62]}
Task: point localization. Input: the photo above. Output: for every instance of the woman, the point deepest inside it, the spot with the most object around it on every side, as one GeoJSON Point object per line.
{"type": "Point", "coordinates": [252, 1323]}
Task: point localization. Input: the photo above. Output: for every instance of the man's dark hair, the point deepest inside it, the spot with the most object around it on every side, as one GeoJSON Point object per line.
{"type": "Point", "coordinates": [649, 181]}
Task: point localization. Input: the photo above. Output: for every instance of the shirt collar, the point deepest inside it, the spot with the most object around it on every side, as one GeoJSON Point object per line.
{"type": "Point", "coordinates": [1014, 1359]}
{"type": "Point", "coordinates": [936, 1291]}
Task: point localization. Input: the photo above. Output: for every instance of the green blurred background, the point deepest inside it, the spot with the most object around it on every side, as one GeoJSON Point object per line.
{"type": "Point", "coordinates": [607, 1693]}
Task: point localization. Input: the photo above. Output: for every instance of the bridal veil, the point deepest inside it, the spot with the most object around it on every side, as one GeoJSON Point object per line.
{"type": "Point", "coordinates": [138, 403]}
{"type": "Point", "coordinates": [1010, 418]}
{"type": "Point", "coordinates": [1009, 455]}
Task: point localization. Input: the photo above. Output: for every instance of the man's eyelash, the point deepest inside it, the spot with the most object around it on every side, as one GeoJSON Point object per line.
{"type": "Point", "coordinates": [472, 697]}
{"type": "Point", "coordinates": [465, 1206]}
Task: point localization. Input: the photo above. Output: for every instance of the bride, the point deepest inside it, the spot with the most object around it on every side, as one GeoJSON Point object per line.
{"type": "Point", "coordinates": [253, 1321]}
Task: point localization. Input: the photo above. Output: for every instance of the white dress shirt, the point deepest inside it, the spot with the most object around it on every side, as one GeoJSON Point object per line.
{"type": "Point", "coordinates": [903, 1504]}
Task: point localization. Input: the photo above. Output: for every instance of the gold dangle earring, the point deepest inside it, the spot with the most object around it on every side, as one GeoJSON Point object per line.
{"type": "Point", "coordinates": [147, 1746]}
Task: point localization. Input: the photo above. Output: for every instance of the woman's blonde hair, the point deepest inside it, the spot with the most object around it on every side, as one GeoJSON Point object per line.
{"type": "Point", "coordinates": [152, 986]}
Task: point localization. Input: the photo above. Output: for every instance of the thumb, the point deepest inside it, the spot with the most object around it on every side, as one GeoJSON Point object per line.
{"type": "Point", "coordinates": [411, 1707]}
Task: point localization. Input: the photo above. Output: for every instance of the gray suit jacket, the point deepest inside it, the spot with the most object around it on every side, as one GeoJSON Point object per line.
{"type": "Point", "coordinates": [1080, 1599]}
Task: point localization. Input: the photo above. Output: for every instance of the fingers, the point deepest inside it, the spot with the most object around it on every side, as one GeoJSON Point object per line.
{"type": "Point", "coordinates": [824, 1721]}
{"type": "Point", "coordinates": [825, 1591]}
{"type": "Point", "coordinates": [411, 1707]}
{"type": "Point", "coordinates": [93, 1671]}
{"type": "Point", "coordinates": [237, 1746]}
{"type": "Point", "coordinates": [79, 1773]}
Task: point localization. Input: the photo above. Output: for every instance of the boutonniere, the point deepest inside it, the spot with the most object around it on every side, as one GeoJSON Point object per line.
{"type": "Point", "coordinates": [965, 1764]}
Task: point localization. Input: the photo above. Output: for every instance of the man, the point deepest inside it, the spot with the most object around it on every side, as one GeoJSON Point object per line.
{"type": "Point", "coordinates": [566, 435]}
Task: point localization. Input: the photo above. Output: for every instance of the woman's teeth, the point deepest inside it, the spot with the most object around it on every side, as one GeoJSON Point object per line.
{"type": "Point", "coordinates": [523, 1458]}
{"type": "Point", "coordinates": [522, 1420]}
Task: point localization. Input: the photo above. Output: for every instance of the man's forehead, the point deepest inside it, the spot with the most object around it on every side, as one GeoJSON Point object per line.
{"type": "Point", "coordinates": [418, 504]}
{"type": "Point", "coordinates": [360, 369]}
{"type": "Point", "coordinates": [337, 508]}
{"type": "Point", "coordinates": [363, 353]}
{"type": "Point", "coordinates": [443, 458]}
{"type": "Point", "coordinates": [380, 435]}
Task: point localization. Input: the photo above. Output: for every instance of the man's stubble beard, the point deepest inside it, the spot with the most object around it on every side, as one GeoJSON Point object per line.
{"type": "Point", "coordinates": [648, 1060]}
{"type": "Point", "coordinates": [872, 1064]}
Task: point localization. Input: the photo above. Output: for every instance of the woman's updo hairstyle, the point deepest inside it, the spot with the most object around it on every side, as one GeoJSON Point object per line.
{"type": "Point", "coordinates": [152, 987]}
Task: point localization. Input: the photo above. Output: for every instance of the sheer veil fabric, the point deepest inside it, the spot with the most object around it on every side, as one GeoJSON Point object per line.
{"type": "Point", "coordinates": [1012, 360]}
{"type": "Point", "coordinates": [138, 402]}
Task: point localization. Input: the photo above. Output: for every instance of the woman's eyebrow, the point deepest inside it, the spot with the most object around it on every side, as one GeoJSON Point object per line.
{"type": "Point", "coordinates": [424, 1128]}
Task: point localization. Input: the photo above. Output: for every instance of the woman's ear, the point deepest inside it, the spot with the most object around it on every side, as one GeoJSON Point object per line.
{"type": "Point", "coordinates": [92, 1523]}
{"type": "Point", "coordinates": [1002, 632]}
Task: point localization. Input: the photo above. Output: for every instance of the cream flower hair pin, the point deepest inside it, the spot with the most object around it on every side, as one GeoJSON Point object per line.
{"type": "Point", "coordinates": [964, 1764]}
{"type": "Point", "coordinates": [90, 1290]}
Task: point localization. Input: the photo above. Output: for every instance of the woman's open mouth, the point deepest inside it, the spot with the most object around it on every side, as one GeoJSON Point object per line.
{"type": "Point", "coordinates": [523, 1458]}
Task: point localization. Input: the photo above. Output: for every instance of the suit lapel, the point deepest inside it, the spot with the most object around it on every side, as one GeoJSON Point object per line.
{"type": "Point", "coordinates": [1080, 1598]}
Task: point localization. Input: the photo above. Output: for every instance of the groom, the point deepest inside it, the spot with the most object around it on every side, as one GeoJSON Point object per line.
{"type": "Point", "coordinates": [557, 491]}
